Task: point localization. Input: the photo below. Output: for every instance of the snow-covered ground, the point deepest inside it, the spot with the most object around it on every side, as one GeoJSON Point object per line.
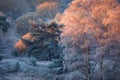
{"type": "Point", "coordinates": [22, 69]}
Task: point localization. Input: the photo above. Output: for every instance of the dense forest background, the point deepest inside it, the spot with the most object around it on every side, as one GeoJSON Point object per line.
{"type": "Point", "coordinates": [59, 39]}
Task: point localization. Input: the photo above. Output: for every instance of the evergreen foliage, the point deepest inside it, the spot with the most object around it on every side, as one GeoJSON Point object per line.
{"type": "Point", "coordinates": [4, 25]}
{"type": "Point", "coordinates": [44, 42]}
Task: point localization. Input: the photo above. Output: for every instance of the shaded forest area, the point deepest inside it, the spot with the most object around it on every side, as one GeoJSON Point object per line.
{"type": "Point", "coordinates": [59, 39]}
